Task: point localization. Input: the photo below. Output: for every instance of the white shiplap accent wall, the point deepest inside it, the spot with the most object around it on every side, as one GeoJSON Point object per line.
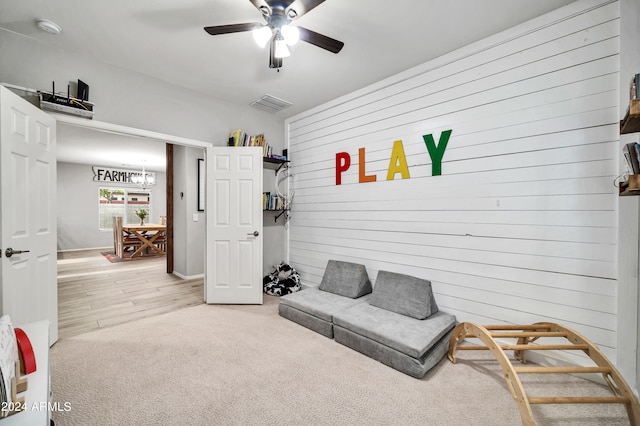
{"type": "Point", "coordinates": [521, 225]}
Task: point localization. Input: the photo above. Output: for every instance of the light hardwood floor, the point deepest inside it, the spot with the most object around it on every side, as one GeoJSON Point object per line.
{"type": "Point", "coordinates": [94, 293]}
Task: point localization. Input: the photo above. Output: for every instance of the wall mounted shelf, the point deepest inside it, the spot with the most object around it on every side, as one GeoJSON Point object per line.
{"type": "Point", "coordinates": [280, 213]}
{"type": "Point", "coordinates": [277, 162]}
{"type": "Point", "coordinates": [630, 124]}
{"type": "Point", "coordinates": [631, 121]}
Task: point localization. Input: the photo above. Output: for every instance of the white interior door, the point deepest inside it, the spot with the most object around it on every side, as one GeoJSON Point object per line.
{"type": "Point", "coordinates": [28, 213]}
{"type": "Point", "coordinates": [234, 225]}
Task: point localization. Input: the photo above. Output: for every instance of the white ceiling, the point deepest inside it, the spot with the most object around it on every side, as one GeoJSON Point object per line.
{"type": "Point", "coordinates": [165, 39]}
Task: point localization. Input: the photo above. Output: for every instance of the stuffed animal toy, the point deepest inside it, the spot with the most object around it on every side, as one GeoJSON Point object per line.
{"type": "Point", "coordinates": [283, 280]}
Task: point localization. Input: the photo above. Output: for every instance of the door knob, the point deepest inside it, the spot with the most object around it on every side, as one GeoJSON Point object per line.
{"type": "Point", "coordinates": [10, 252]}
{"type": "Point", "coordinates": [254, 233]}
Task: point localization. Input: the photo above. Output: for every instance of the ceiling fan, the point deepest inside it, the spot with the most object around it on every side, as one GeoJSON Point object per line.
{"type": "Point", "coordinates": [278, 30]}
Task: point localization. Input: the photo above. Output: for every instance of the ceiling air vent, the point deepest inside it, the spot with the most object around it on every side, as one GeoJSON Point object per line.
{"type": "Point", "coordinates": [270, 104]}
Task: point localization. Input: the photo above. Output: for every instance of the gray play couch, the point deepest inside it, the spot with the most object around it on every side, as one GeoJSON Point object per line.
{"type": "Point", "coordinates": [398, 324]}
{"type": "Point", "coordinates": [343, 285]}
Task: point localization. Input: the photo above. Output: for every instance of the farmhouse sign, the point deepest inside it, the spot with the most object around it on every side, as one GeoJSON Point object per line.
{"type": "Point", "coordinates": [397, 162]}
{"type": "Point", "coordinates": [111, 175]}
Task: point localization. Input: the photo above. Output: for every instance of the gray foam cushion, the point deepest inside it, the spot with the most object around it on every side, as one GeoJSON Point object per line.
{"type": "Point", "coordinates": [320, 304]}
{"type": "Point", "coordinates": [416, 367]}
{"type": "Point", "coordinates": [345, 279]}
{"type": "Point", "coordinates": [404, 295]}
{"type": "Point", "coordinates": [405, 334]}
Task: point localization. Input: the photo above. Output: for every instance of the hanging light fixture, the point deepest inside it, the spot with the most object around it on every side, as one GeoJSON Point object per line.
{"type": "Point", "coordinates": [281, 36]}
{"type": "Point", "coordinates": [278, 32]}
{"type": "Point", "coordinates": [262, 35]}
{"type": "Point", "coordinates": [281, 50]}
{"type": "Point", "coordinates": [143, 179]}
{"type": "Point", "coordinates": [290, 33]}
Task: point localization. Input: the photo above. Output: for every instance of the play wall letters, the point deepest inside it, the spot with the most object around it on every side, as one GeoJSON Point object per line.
{"type": "Point", "coordinates": [398, 160]}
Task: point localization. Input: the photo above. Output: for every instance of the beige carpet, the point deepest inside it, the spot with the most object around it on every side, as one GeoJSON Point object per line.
{"type": "Point", "coordinates": [245, 365]}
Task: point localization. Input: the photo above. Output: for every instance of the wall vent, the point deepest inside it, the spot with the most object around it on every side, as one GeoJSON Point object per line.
{"type": "Point", "coordinates": [270, 104]}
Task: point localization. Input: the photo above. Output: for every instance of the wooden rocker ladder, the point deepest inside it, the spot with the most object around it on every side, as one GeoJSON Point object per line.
{"type": "Point", "coordinates": [527, 334]}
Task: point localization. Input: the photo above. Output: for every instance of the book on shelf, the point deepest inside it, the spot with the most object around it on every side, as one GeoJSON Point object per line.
{"type": "Point", "coordinates": [627, 157]}
{"type": "Point", "coordinates": [634, 87]}
{"type": "Point", "coordinates": [239, 137]}
{"type": "Point", "coordinates": [273, 202]}
{"type": "Point", "coordinates": [631, 152]}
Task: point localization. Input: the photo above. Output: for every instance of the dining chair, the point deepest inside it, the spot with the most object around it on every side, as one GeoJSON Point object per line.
{"type": "Point", "coordinates": [121, 240]}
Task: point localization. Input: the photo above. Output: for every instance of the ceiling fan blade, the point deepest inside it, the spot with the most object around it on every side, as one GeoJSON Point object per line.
{"type": "Point", "coordinates": [301, 7]}
{"type": "Point", "coordinates": [327, 43]}
{"type": "Point", "coordinates": [232, 28]}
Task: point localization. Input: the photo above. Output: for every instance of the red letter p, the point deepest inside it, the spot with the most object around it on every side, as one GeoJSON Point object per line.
{"type": "Point", "coordinates": [343, 162]}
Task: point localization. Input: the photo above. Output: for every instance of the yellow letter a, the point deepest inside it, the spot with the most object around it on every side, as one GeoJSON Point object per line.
{"type": "Point", "coordinates": [398, 162]}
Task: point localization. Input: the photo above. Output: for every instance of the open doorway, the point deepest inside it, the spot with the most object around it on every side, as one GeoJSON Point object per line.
{"type": "Point", "coordinates": [93, 292]}
{"type": "Point", "coordinates": [96, 181]}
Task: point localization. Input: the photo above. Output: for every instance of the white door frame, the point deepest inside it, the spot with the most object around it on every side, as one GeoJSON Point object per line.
{"type": "Point", "coordinates": [129, 131]}
{"type": "Point", "coordinates": [132, 131]}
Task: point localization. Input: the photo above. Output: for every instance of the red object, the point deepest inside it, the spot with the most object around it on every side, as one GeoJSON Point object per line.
{"type": "Point", "coordinates": [343, 162]}
{"type": "Point", "coordinates": [27, 357]}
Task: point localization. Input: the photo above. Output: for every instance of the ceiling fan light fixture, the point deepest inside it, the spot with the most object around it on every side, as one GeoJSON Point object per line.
{"type": "Point", "coordinates": [281, 50]}
{"type": "Point", "coordinates": [290, 33]}
{"type": "Point", "coordinates": [278, 31]}
{"type": "Point", "coordinates": [262, 35]}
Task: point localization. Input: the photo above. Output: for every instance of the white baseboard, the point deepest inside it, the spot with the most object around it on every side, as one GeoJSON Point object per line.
{"type": "Point", "coordinates": [187, 277]}
{"type": "Point", "coordinates": [84, 249]}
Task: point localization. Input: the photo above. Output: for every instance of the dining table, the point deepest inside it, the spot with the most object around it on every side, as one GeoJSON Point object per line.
{"type": "Point", "coordinates": [150, 236]}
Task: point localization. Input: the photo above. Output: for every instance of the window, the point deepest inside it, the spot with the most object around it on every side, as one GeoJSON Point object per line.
{"type": "Point", "coordinates": [121, 202]}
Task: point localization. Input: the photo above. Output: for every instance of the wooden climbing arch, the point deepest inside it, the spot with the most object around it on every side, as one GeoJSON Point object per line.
{"type": "Point", "coordinates": [527, 334]}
